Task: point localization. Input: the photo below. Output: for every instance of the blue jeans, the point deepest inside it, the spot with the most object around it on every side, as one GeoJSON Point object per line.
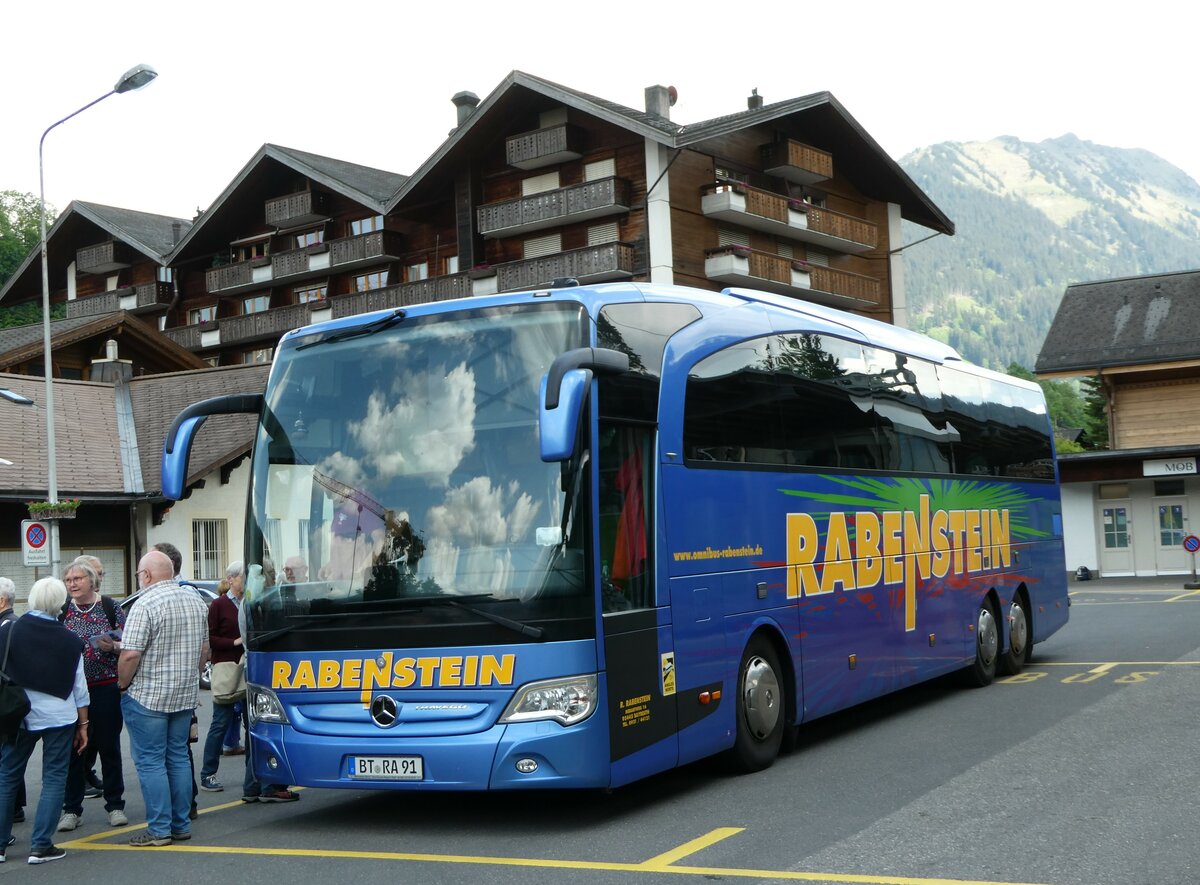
{"type": "Point", "coordinates": [159, 745]}
{"type": "Point", "coordinates": [56, 756]}
{"type": "Point", "coordinates": [233, 737]}
{"type": "Point", "coordinates": [223, 715]}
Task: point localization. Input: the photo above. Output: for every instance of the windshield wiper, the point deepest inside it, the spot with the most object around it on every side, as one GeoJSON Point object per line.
{"type": "Point", "coordinates": [456, 602]}
{"type": "Point", "coordinates": [384, 322]}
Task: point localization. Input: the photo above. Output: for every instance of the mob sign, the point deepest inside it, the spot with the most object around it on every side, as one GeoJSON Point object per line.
{"type": "Point", "coordinates": [35, 542]}
{"type": "Point", "coordinates": [1169, 467]}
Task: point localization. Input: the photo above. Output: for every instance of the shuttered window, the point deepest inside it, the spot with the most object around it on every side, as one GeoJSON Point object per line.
{"type": "Point", "coordinates": [539, 184]}
{"type": "Point", "coordinates": [600, 169]}
{"type": "Point", "coordinates": [603, 233]}
{"type": "Point", "coordinates": [539, 246]}
{"type": "Point", "coordinates": [727, 237]}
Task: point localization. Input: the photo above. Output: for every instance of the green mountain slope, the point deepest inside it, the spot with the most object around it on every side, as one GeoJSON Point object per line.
{"type": "Point", "coordinates": [1031, 219]}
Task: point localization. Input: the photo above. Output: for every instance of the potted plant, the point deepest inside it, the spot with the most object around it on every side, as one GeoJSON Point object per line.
{"type": "Point", "coordinates": [53, 510]}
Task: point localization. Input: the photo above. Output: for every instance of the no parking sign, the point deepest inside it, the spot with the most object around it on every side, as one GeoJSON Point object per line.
{"type": "Point", "coordinates": [35, 542]}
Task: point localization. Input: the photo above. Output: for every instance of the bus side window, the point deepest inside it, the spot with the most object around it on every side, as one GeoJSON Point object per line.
{"type": "Point", "coordinates": [626, 470]}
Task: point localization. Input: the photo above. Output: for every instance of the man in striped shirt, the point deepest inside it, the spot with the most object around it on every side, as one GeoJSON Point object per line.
{"type": "Point", "coordinates": [164, 644]}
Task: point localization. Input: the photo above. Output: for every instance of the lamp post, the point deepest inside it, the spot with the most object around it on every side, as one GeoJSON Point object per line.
{"type": "Point", "coordinates": [134, 78]}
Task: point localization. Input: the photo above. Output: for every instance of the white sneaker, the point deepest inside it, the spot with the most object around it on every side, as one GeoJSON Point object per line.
{"type": "Point", "coordinates": [117, 818]}
{"type": "Point", "coordinates": [68, 822]}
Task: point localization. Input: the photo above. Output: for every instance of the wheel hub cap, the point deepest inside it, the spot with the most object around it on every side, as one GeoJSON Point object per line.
{"type": "Point", "coordinates": [989, 637]}
{"type": "Point", "coordinates": [760, 691]}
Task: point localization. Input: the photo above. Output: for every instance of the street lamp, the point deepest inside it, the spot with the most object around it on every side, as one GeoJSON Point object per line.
{"type": "Point", "coordinates": [134, 78]}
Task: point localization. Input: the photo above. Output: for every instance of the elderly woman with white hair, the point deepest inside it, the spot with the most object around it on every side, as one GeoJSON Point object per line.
{"type": "Point", "coordinates": [46, 659]}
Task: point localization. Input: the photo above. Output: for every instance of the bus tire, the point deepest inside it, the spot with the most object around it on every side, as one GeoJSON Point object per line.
{"type": "Point", "coordinates": [1019, 647]}
{"type": "Point", "coordinates": [760, 708]}
{"type": "Point", "coordinates": [982, 670]}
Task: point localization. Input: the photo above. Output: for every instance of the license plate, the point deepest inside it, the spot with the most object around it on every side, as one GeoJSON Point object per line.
{"type": "Point", "coordinates": [387, 768]}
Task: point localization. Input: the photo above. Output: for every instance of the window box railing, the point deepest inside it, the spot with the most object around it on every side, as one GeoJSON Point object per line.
{"type": "Point", "coordinates": [545, 147]}
{"type": "Point", "coordinates": [797, 162]}
{"type": "Point", "coordinates": [103, 257]}
{"type": "Point", "coordinates": [741, 266]}
{"type": "Point", "coordinates": [593, 264]}
{"type": "Point", "coordinates": [295, 209]}
{"type": "Point", "coordinates": [787, 217]}
{"type": "Point", "coordinates": [567, 205]}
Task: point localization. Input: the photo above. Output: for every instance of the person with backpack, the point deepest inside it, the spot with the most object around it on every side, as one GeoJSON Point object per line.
{"type": "Point", "coordinates": [98, 621]}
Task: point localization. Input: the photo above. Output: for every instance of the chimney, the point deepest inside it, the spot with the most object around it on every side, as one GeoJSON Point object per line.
{"type": "Point", "coordinates": [659, 100]}
{"type": "Point", "coordinates": [110, 369]}
{"type": "Point", "coordinates": [176, 230]}
{"type": "Point", "coordinates": [754, 102]}
{"type": "Point", "coordinates": [466, 102]}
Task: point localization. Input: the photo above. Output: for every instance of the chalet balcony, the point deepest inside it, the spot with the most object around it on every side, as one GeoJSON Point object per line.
{"type": "Point", "coordinates": [797, 162]}
{"type": "Point", "coordinates": [445, 288]}
{"type": "Point", "coordinates": [270, 324]}
{"type": "Point", "coordinates": [297, 265]}
{"type": "Point", "coordinates": [593, 264]}
{"type": "Point", "coordinates": [739, 266]}
{"type": "Point", "coordinates": [185, 336]}
{"type": "Point", "coordinates": [545, 147]}
{"type": "Point", "coordinates": [567, 205]}
{"type": "Point", "coordinates": [143, 298]}
{"type": "Point", "coordinates": [104, 257]}
{"type": "Point", "coordinates": [294, 209]}
{"type": "Point", "coordinates": [787, 217]}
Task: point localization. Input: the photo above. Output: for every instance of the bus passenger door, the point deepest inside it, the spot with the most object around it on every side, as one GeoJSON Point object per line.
{"type": "Point", "coordinates": [638, 650]}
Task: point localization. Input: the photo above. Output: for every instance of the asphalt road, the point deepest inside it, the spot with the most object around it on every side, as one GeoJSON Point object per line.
{"type": "Point", "coordinates": [1080, 771]}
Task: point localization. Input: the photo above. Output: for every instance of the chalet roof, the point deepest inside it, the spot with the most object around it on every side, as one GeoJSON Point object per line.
{"type": "Point", "coordinates": [157, 399]}
{"type": "Point", "coordinates": [109, 437]}
{"type": "Point", "coordinates": [833, 129]}
{"type": "Point", "coordinates": [87, 440]}
{"type": "Point", "coordinates": [1124, 322]}
{"type": "Point", "coordinates": [372, 188]}
{"type": "Point", "coordinates": [21, 343]}
{"type": "Point", "coordinates": [152, 235]}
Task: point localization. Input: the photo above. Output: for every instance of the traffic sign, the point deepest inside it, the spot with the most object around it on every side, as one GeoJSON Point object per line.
{"type": "Point", "coordinates": [35, 542]}
{"type": "Point", "coordinates": [1191, 543]}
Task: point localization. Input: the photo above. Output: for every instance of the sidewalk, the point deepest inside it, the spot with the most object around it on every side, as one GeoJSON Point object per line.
{"type": "Point", "coordinates": [1162, 583]}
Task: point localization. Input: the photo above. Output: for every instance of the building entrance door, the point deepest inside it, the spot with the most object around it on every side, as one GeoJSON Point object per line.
{"type": "Point", "coordinates": [1116, 539]}
{"type": "Point", "coordinates": [1170, 556]}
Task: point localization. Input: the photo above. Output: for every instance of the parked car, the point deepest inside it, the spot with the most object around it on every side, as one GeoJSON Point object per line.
{"type": "Point", "coordinates": [207, 590]}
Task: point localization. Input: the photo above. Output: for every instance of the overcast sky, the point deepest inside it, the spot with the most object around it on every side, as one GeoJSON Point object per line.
{"type": "Point", "coordinates": [371, 82]}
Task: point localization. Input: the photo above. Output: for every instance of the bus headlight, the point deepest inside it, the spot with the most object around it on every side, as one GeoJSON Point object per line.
{"type": "Point", "coordinates": [264, 706]}
{"type": "Point", "coordinates": [566, 701]}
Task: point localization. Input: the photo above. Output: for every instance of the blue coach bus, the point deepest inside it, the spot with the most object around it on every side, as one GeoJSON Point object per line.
{"type": "Point", "coordinates": [574, 537]}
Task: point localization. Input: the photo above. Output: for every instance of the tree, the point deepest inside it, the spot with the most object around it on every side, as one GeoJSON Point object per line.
{"type": "Point", "coordinates": [19, 234]}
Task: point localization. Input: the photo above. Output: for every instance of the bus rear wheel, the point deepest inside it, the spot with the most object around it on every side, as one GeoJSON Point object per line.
{"type": "Point", "coordinates": [982, 670]}
{"type": "Point", "coordinates": [760, 708]}
{"type": "Point", "coordinates": [1019, 649]}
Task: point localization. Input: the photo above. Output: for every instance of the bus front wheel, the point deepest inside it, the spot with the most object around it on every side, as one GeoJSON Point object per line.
{"type": "Point", "coordinates": [760, 708]}
{"type": "Point", "coordinates": [987, 647]}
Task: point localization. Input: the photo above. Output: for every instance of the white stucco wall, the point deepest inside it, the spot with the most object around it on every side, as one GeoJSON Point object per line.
{"type": "Point", "coordinates": [214, 501]}
{"type": "Point", "coordinates": [1079, 529]}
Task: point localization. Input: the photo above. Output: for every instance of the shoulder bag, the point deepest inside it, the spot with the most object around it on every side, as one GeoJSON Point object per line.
{"type": "Point", "coordinates": [14, 702]}
{"type": "Point", "coordinates": [229, 681]}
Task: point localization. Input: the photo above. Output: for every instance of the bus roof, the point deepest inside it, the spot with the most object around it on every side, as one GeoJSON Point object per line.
{"type": "Point", "coordinates": [872, 331]}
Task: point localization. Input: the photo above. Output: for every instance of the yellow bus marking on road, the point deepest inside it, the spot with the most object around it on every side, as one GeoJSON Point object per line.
{"type": "Point", "coordinates": [661, 863]}
{"type": "Point", "coordinates": [1183, 596]}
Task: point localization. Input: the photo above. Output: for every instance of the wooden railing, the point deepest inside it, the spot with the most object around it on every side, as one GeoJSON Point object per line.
{"type": "Point", "coordinates": [103, 257]}
{"type": "Point", "coordinates": [185, 336]}
{"type": "Point", "coordinates": [778, 269]}
{"type": "Point", "coordinates": [228, 276]}
{"type": "Point", "coordinates": [530, 150]}
{"type": "Point", "coordinates": [818, 164]}
{"type": "Point", "coordinates": [419, 292]}
{"type": "Point", "coordinates": [377, 244]}
{"type": "Point", "coordinates": [767, 204]}
{"type": "Point", "coordinates": [554, 207]}
{"type": "Point", "coordinates": [281, 211]}
{"type": "Point", "coordinates": [264, 324]}
{"type": "Point", "coordinates": [606, 261]}
{"type": "Point", "coordinates": [94, 305]}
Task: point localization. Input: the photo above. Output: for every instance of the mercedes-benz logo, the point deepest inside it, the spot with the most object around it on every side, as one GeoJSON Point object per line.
{"type": "Point", "coordinates": [384, 710]}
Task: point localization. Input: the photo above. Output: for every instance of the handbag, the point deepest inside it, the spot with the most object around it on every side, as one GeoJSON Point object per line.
{"type": "Point", "coordinates": [14, 702]}
{"type": "Point", "coordinates": [229, 681]}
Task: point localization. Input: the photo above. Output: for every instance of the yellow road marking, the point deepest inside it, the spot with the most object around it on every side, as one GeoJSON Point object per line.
{"type": "Point", "coordinates": [662, 863]}
{"type": "Point", "coordinates": [1108, 665]}
{"type": "Point", "coordinates": [1183, 596]}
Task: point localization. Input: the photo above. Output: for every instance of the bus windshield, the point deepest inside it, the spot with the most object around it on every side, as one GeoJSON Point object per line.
{"type": "Point", "coordinates": [398, 496]}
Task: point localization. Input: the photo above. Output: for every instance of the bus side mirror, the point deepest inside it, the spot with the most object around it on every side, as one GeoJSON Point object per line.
{"type": "Point", "coordinates": [558, 425]}
{"type": "Point", "coordinates": [177, 447]}
{"type": "Point", "coordinates": [564, 391]}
